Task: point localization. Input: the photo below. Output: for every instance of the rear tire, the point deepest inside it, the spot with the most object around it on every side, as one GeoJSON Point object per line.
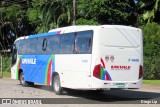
{"type": "Point", "coordinates": [57, 85]}
{"type": "Point", "coordinates": [23, 82]}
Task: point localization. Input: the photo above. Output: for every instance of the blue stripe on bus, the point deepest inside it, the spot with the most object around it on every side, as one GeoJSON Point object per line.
{"type": "Point", "coordinates": [43, 34]}
{"type": "Point", "coordinates": [36, 71]}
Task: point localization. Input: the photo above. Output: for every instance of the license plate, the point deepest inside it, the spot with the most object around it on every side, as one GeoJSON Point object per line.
{"type": "Point", "coordinates": [120, 85]}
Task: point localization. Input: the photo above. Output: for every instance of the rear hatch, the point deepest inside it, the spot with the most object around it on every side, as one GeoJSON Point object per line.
{"type": "Point", "coordinates": [121, 53]}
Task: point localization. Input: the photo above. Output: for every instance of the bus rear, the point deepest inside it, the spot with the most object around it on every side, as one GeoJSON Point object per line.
{"type": "Point", "coordinates": [120, 58]}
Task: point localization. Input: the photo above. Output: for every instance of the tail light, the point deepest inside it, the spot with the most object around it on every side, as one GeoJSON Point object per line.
{"type": "Point", "coordinates": [96, 71]}
{"type": "Point", "coordinates": [100, 73]}
{"type": "Point", "coordinates": [140, 71]}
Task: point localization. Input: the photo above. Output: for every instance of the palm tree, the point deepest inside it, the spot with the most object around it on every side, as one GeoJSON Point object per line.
{"type": "Point", "coordinates": [4, 25]}
{"type": "Point", "coordinates": [12, 23]}
{"type": "Point", "coordinates": [54, 14]}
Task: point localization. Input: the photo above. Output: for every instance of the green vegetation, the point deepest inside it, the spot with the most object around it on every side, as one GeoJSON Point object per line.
{"type": "Point", "coordinates": [6, 66]}
{"type": "Point", "coordinates": [6, 74]}
{"type": "Point", "coordinates": [151, 81]}
{"type": "Point", "coordinates": [26, 17]}
{"type": "Point", "coordinates": [151, 51]}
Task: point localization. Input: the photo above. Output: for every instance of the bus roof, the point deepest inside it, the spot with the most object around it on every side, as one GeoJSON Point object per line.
{"type": "Point", "coordinates": [38, 35]}
{"type": "Point", "coordinates": [70, 29]}
{"type": "Point", "coordinates": [53, 32]}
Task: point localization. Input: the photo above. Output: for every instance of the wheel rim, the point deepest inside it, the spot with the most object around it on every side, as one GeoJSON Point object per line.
{"type": "Point", "coordinates": [56, 85]}
{"type": "Point", "coordinates": [22, 79]}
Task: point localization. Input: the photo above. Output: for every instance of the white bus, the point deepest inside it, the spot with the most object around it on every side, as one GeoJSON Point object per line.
{"type": "Point", "coordinates": [80, 57]}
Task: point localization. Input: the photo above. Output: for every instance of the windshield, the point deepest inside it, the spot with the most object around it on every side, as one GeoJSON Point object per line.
{"type": "Point", "coordinates": [14, 52]}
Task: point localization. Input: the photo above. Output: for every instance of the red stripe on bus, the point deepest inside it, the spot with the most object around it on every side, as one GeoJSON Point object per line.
{"type": "Point", "coordinates": [103, 65]}
{"type": "Point", "coordinates": [49, 73]}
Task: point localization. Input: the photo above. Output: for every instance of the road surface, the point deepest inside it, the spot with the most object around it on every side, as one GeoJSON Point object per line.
{"type": "Point", "coordinates": [148, 94]}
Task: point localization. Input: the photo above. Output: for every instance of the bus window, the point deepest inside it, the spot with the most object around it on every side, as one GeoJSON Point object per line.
{"type": "Point", "coordinates": [83, 42]}
{"type": "Point", "coordinates": [14, 53]}
{"type": "Point", "coordinates": [53, 44]}
{"type": "Point", "coordinates": [41, 45]}
{"type": "Point", "coordinates": [67, 44]}
{"type": "Point", "coordinates": [23, 45]}
{"type": "Point", "coordinates": [32, 46]}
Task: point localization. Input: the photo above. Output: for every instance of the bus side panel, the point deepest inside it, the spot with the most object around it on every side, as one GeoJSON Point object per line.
{"type": "Point", "coordinates": [74, 70]}
{"type": "Point", "coordinates": [95, 56]}
{"type": "Point", "coordinates": [38, 68]}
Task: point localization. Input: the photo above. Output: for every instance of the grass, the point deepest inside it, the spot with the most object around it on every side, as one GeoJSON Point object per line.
{"type": "Point", "coordinates": [151, 81]}
{"type": "Point", "coordinates": [6, 74]}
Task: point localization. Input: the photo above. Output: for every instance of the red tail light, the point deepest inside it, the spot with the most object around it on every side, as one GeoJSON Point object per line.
{"type": "Point", "coordinates": [140, 71]}
{"type": "Point", "coordinates": [96, 71]}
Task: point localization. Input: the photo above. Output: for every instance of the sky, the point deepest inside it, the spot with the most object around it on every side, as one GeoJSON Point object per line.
{"type": "Point", "coordinates": [136, 1]}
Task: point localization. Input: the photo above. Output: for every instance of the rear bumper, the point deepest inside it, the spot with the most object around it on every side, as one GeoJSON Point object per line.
{"type": "Point", "coordinates": [101, 84]}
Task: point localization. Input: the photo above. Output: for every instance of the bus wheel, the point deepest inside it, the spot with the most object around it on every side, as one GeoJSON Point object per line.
{"type": "Point", "coordinates": [57, 85]}
{"type": "Point", "coordinates": [22, 81]}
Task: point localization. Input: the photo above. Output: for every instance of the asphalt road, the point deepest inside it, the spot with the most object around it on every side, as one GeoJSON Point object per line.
{"type": "Point", "coordinates": [148, 94]}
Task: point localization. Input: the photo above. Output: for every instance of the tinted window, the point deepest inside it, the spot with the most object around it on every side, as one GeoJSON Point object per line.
{"type": "Point", "coordinates": [14, 52]}
{"type": "Point", "coordinates": [67, 44]}
{"type": "Point", "coordinates": [23, 45]}
{"type": "Point", "coordinates": [42, 45]}
{"type": "Point", "coordinates": [17, 44]}
{"type": "Point", "coordinates": [83, 42]}
{"type": "Point", "coordinates": [78, 43]}
{"type": "Point", "coordinates": [32, 46]}
{"type": "Point", "coordinates": [53, 44]}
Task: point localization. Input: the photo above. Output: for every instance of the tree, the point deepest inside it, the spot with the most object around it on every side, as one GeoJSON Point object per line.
{"type": "Point", "coordinates": [13, 23]}
{"type": "Point", "coordinates": [148, 11]}
{"type": "Point", "coordinates": [151, 51]}
{"type": "Point", "coordinates": [106, 11]}
{"type": "Point", "coordinates": [50, 14]}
